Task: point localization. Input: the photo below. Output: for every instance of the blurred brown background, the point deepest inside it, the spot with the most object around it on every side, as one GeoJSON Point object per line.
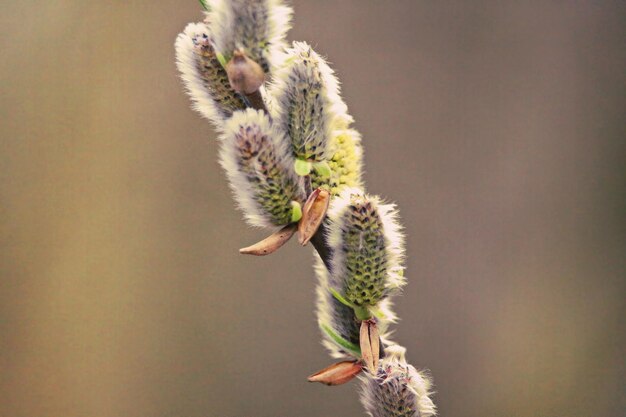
{"type": "Point", "coordinates": [498, 127]}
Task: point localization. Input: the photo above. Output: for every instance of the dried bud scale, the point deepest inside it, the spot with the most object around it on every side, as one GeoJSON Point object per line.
{"type": "Point", "coordinates": [257, 162]}
{"type": "Point", "coordinates": [338, 373]}
{"type": "Point", "coordinates": [370, 344]}
{"type": "Point", "coordinates": [271, 243]}
{"type": "Point", "coordinates": [204, 77]}
{"type": "Point", "coordinates": [397, 389]}
{"type": "Point", "coordinates": [313, 214]}
{"type": "Point", "coordinates": [244, 74]}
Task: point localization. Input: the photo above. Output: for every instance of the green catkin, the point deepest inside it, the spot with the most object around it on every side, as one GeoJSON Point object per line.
{"type": "Point", "coordinates": [204, 77]}
{"type": "Point", "coordinates": [345, 163]}
{"type": "Point", "coordinates": [258, 164]}
{"type": "Point", "coordinates": [257, 27]}
{"type": "Point", "coordinates": [215, 77]}
{"type": "Point", "coordinates": [364, 253]}
{"type": "Point", "coordinates": [367, 248]}
{"type": "Point", "coordinates": [305, 122]}
{"type": "Point", "coordinates": [256, 161]}
{"type": "Point", "coordinates": [251, 37]}
{"type": "Point", "coordinates": [366, 268]}
{"type": "Point", "coordinates": [306, 103]}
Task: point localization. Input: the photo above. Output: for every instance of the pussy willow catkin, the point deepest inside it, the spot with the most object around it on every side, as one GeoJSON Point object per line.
{"type": "Point", "coordinates": [280, 146]}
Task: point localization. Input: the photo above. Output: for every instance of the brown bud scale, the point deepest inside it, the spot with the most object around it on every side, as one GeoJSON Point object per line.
{"type": "Point", "coordinates": [338, 373]}
{"type": "Point", "coordinates": [245, 75]}
{"type": "Point", "coordinates": [271, 243]}
{"type": "Point", "coordinates": [313, 214]}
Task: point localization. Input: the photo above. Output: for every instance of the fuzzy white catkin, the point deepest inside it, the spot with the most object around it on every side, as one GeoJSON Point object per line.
{"type": "Point", "coordinates": [204, 78]}
{"type": "Point", "coordinates": [398, 389]}
{"type": "Point", "coordinates": [367, 247]}
{"type": "Point", "coordinates": [257, 161]}
{"type": "Point", "coordinates": [367, 250]}
{"type": "Point", "coordinates": [306, 102]}
{"type": "Point", "coordinates": [256, 26]}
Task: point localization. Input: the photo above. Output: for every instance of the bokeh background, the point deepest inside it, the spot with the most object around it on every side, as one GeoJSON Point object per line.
{"type": "Point", "coordinates": [498, 128]}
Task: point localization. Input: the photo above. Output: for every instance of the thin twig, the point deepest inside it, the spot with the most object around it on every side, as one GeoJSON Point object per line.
{"type": "Point", "coordinates": [320, 245]}
{"type": "Point", "coordinates": [256, 101]}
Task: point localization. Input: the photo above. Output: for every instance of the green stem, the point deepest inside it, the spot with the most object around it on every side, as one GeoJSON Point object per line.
{"type": "Point", "coordinates": [362, 313]}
